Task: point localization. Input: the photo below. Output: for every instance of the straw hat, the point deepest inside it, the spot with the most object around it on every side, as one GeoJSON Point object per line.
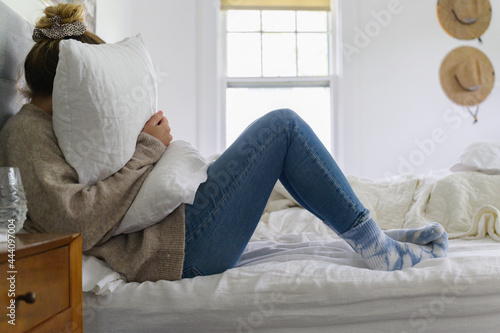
{"type": "Point", "coordinates": [467, 76]}
{"type": "Point", "coordinates": [464, 19]}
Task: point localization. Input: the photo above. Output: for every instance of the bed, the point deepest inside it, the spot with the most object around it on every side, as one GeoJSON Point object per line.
{"type": "Point", "coordinates": [296, 275]}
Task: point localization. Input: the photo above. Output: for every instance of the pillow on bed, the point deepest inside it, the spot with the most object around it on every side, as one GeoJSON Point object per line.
{"type": "Point", "coordinates": [103, 95]}
{"type": "Point", "coordinates": [173, 180]}
{"type": "Point", "coordinates": [483, 156]}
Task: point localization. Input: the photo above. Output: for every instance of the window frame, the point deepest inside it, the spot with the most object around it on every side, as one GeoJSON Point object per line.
{"type": "Point", "coordinates": [329, 81]}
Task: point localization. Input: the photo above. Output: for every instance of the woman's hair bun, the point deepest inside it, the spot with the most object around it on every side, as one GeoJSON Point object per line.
{"type": "Point", "coordinates": [70, 12]}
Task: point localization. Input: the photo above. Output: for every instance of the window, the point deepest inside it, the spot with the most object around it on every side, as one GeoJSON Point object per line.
{"type": "Point", "coordinates": [278, 59]}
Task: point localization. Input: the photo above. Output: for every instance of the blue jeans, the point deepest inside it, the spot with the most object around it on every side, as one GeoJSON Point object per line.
{"type": "Point", "coordinates": [229, 205]}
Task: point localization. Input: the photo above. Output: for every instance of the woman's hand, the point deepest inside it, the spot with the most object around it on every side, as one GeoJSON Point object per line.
{"type": "Point", "coordinates": [158, 127]}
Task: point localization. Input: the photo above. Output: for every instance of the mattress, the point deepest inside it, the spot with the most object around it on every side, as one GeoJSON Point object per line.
{"type": "Point", "coordinates": [299, 277]}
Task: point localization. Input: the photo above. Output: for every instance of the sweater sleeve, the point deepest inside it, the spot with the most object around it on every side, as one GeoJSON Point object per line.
{"type": "Point", "coordinates": [58, 203]}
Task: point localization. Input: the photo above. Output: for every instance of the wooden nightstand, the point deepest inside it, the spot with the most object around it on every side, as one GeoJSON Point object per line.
{"type": "Point", "coordinates": [48, 275]}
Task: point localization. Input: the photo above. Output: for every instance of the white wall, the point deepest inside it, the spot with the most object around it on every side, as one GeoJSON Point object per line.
{"type": "Point", "coordinates": [30, 10]}
{"type": "Point", "coordinates": [390, 95]}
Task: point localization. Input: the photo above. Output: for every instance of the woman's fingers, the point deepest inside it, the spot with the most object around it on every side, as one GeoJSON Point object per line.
{"type": "Point", "coordinates": [158, 127]}
{"type": "Point", "coordinates": [155, 119]}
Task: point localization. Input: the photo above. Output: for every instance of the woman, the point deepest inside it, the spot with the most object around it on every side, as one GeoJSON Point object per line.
{"type": "Point", "coordinates": [209, 236]}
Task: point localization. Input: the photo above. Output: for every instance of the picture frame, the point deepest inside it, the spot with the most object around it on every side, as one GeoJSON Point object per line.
{"type": "Point", "coordinates": [88, 5]}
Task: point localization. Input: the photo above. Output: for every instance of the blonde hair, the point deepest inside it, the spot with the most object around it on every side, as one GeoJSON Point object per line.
{"type": "Point", "coordinates": [41, 63]}
{"type": "Point", "coordinates": [70, 12]}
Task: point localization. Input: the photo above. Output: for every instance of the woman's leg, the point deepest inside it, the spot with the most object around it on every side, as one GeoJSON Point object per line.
{"type": "Point", "coordinates": [422, 236]}
{"type": "Point", "coordinates": [229, 204]}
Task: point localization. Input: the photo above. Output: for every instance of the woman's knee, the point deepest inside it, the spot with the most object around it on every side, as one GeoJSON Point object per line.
{"type": "Point", "coordinates": [281, 121]}
{"type": "Point", "coordinates": [285, 116]}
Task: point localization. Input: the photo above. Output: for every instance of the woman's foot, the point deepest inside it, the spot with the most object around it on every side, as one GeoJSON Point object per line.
{"type": "Point", "coordinates": [381, 252]}
{"type": "Point", "coordinates": [422, 236]}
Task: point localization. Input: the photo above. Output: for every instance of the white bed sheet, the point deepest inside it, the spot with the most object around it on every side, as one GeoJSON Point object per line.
{"type": "Point", "coordinates": [297, 276]}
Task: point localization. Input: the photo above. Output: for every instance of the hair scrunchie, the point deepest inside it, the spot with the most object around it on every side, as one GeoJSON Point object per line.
{"type": "Point", "coordinates": [58, 30]}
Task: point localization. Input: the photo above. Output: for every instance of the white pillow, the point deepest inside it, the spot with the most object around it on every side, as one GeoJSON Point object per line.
{"type": "Point", "coordinates": [173, 180]}
{"type": "Point", "coordinates": [103, 95]}
{"type": "Point", "coordinates": [483, 156]}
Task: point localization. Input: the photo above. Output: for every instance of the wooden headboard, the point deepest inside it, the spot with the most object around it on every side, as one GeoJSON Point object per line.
{"type": "Point", "coordinates": [15, 43]}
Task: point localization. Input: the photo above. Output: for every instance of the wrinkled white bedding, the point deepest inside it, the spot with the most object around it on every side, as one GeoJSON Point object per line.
{"type": "Point", "coordinates": [308, 282]}
{"type": "Point", "coordinates": [296, 275]}
{"type": "Point", "coordinates": [466, 203]}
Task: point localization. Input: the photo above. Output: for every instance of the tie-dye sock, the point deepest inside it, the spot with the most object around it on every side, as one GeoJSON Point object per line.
{"type": "Point", "coordinates": [428, 233]}
{"type": "Point", "coordinates": [381, 252]}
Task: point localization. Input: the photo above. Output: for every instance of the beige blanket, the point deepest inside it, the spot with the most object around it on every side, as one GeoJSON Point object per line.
{"type": "Point", "coordinates": [467, 204]}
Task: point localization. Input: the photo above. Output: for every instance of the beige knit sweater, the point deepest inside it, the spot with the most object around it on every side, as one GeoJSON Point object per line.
{"type": "Point", "coordinates": [57, 203]}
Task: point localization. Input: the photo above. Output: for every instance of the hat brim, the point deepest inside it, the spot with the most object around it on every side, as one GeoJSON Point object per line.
{"type": "Point", "coordinates": [463, 31]}
{"type": "Point", "coordinates": [452, 88]}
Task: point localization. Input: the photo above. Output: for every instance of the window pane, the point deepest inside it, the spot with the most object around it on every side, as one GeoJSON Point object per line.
{"type": "Point", "coordinates": [312, 21]}
{"type": "Point", "coordinates": [278, 21]}
{"type": "Point", "coordinates": [243, 20]}
{"type": "Point", "coordinates": [243, 54]}
{"type": "Point", "coordinates": [279, 54]}
{"type": "Point", "coordinates": [244, 105]}
{"type": "Point", "coordinates": [313, 54]}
